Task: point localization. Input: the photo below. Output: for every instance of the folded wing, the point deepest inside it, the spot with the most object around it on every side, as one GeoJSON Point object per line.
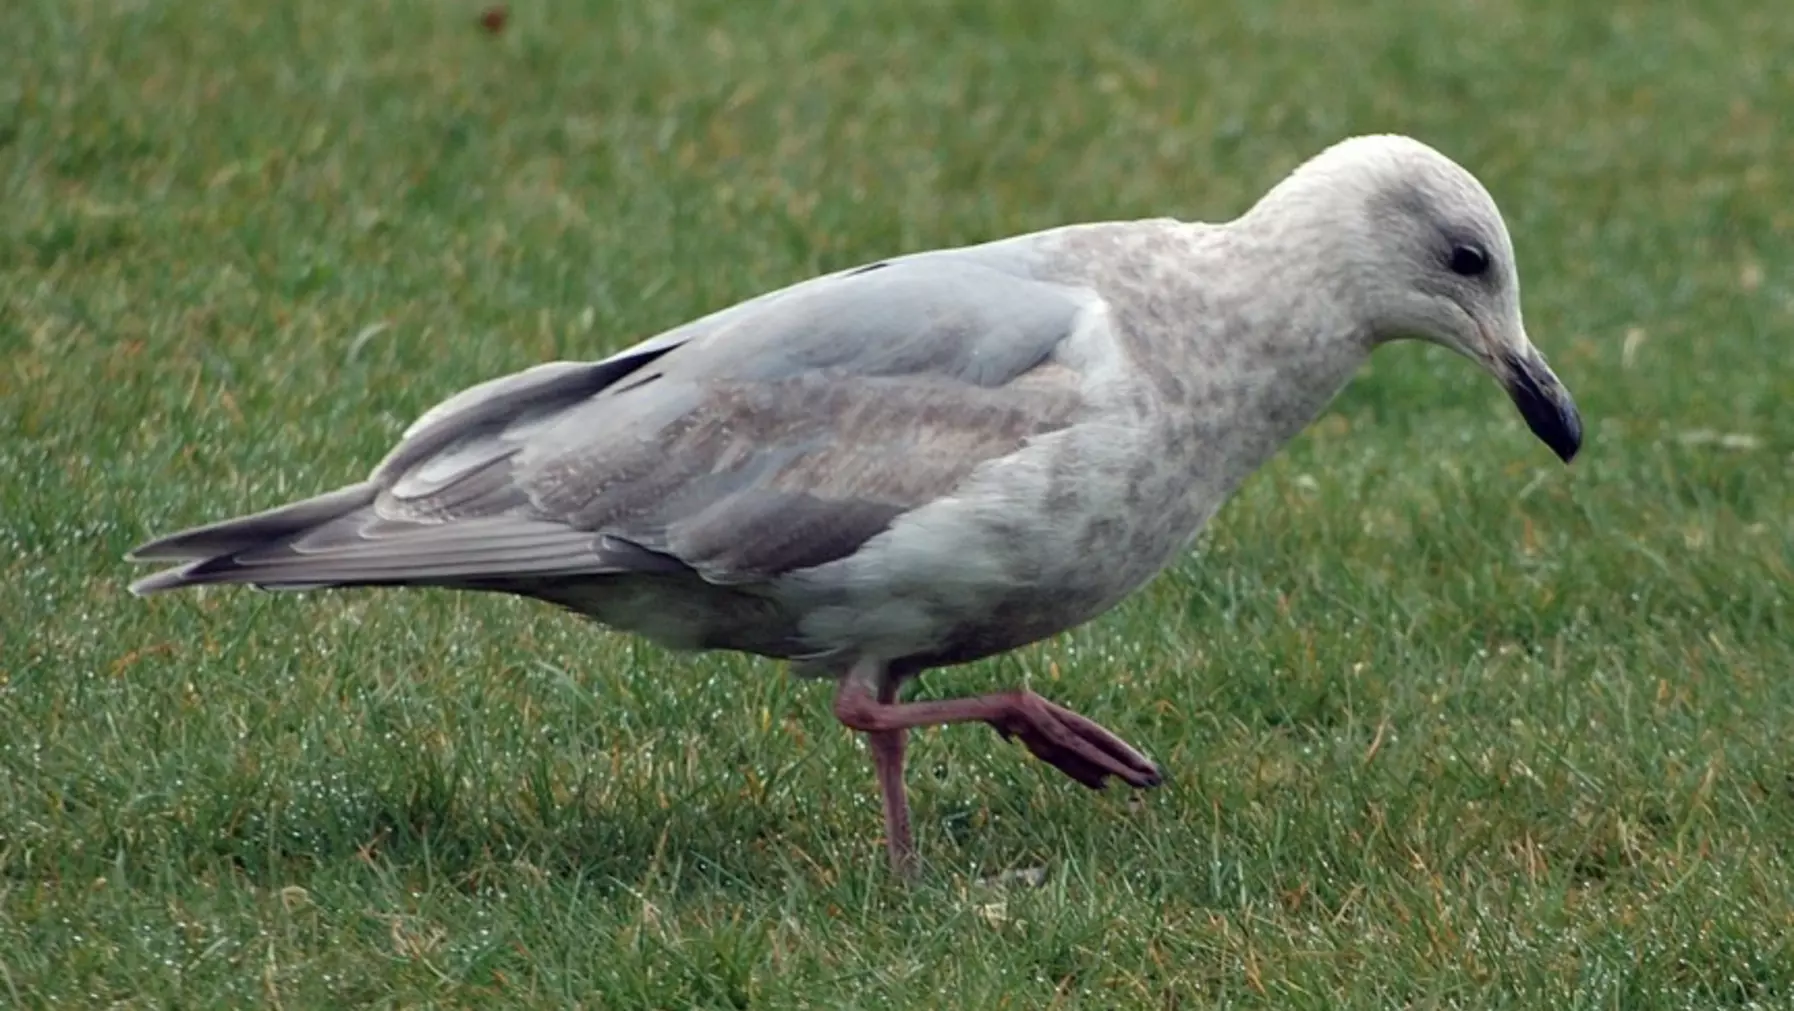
{"type": "Point", "coordinates": [776, 435]}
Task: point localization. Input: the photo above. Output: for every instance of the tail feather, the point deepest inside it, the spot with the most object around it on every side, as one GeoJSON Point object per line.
{"type": "Point", "coordinates": [168, 579]}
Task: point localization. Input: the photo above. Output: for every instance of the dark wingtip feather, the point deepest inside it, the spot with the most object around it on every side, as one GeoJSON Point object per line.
{"type": "Point", "coordinates": [244, 532]}
{"type": "Point", "coordinates": [206, 551]}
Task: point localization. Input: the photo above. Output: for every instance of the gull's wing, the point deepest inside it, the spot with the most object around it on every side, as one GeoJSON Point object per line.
{"type": "Point", "coordinates": [779, 434]}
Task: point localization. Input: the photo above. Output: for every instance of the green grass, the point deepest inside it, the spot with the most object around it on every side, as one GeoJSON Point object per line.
{"type": "Point", "coordinates": [1447, 725]}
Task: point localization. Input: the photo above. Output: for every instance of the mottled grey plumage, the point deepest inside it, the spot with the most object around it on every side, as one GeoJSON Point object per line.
{"type": "Point", "coordinates": [926, 460]}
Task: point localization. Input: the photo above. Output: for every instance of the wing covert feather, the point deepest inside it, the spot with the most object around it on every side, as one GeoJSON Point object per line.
{"type": "Point", "coordinates": [779, 434]}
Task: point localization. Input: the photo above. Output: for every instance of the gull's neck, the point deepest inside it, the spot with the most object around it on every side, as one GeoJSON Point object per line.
{"type": "Point", "coordinates": [1283, 336]}
{"type": "Point", "coordinates": [1243, 331]}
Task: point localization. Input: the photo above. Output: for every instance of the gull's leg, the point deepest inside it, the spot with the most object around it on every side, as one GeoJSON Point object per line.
{"type": "Point", "coordinates": [887, 760]}
{"type": "Point", "coordinates": [887, 746]}
{"type": "Point", "coordinates": [1076, 746]}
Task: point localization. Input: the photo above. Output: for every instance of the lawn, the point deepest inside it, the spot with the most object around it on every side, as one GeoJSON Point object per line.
{"type": "Point", "coordinates": [1446, 723]}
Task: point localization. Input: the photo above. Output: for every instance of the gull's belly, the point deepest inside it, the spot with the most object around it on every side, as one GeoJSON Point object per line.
{"type": "Point", "coordinates": [1042, 541]}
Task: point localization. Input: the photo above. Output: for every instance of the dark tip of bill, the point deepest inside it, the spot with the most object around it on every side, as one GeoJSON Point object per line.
{"type": "Point", "coordinates": [1547, 408]}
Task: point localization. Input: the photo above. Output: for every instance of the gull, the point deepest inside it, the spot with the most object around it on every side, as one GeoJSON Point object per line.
{"type": "Point", "coordinates": [929, 459]}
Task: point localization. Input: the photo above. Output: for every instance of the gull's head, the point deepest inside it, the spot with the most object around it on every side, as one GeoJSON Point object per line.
{"type": "Point", "coordinates": [1418, 249]}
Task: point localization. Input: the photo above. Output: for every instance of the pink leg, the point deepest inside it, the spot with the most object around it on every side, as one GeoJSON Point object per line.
{"type": "Point", "coordinates": [1076, 746]}
{"type": "Point", "coordinates": [887, 760]}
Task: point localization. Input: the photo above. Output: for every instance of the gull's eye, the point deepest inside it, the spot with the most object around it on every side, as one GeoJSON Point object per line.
{"type": "Point", "coordinates": [1468, 260]}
